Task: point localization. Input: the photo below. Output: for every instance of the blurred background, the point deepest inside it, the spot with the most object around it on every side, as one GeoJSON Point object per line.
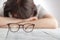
{"type": "Point", "coordinates": [52, 6]}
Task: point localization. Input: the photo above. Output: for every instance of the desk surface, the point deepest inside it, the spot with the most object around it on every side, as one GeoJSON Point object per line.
{"type": "Point", "coordinates": [37, 34]}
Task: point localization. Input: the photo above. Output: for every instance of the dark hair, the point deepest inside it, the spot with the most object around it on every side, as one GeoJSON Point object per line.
{"type": "Point", "coordinates": [23, 9]}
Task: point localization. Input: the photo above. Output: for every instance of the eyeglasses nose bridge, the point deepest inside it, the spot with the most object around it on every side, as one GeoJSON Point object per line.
{"type": "Point", "coordinates": [21, 26]}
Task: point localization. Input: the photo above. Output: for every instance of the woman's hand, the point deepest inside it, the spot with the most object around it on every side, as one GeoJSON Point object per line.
{"type": "Point", "coordinates": [32, 19]}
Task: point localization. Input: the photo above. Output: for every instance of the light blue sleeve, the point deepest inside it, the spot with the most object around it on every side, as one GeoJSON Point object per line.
{"type": "Point", "coordinates": [40, 12]}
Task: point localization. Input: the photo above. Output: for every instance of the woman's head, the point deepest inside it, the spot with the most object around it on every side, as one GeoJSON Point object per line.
{"type": "Point", "coordinates": [21, 8]}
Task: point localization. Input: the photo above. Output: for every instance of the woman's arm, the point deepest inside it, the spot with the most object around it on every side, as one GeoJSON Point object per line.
{"type": "Point", "coordinates": [6, 20]}
{"type": "Point", "coordinates": [47, 22]}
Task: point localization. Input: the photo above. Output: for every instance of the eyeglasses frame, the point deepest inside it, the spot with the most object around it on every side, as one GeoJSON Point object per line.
{"type": "Point", "coordinates": [19, 26]}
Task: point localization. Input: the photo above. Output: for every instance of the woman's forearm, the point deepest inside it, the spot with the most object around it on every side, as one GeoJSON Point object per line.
{"type": "Point", "coordinates": [46, 23]}
{"type": "Point", "coordinates": [6, 20]}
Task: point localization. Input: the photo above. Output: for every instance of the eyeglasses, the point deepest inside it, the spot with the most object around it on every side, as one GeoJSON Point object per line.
{"type": "Point", "coordinates": [14, 27]}
{"type": "Point", "coordinates": [27, 27]}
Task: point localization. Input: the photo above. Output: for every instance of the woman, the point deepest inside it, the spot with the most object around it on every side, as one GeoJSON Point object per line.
{"type": "Point", "coordinates": [27, 10]}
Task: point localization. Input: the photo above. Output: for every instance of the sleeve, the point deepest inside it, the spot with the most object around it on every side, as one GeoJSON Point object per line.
{"type": "Point", "coordinates": [40, 12]}
{"type": "Point", "coordinates": [1, 11]}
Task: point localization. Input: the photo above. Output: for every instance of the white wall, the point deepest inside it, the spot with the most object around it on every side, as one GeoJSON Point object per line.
{"type": "Point", "coordinates": [1, 2]}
